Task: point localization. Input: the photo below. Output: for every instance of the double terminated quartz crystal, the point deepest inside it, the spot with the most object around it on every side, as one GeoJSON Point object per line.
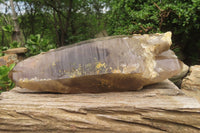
{"type": "Point", "coordinates": [117, 63]}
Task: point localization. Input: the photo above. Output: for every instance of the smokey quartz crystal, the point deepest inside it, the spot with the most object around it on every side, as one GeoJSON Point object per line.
{"type": "Point", "coordinates": [116, 63]}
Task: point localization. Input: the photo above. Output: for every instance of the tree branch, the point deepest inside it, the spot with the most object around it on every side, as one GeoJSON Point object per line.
{"type": "Point", "coordinates": [163, 14]}
{"type": "Point", "coordinates": [144, 29]}
{"type": "Point", "coordinates": [3, 2]}
{"type": "Point", "coordinates": [54, 8]}
{"type": "Point", "coordinates": [157, 6]}
{"type": "Point", "coordinates": [69, 13]}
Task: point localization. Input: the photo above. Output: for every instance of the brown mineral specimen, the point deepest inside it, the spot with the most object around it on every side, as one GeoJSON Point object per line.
{"type": "Point", "coordinates": [117, 63]}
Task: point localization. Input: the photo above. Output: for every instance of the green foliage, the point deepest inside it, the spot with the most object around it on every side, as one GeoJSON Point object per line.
{"type": "Point", "coordinates": [8, 28]}
{"type": "Point", "coordinates": [3, 49]}
{"type": "Point", "coordinates": [1, 53]}
{"type": "Point", "coordinates": [14, 44]}
{"type": "Point", "coordinates": [5, 30]}
{"type": "Point", "coordinates": [147, 16]}
{"type": "Point", "coordinates": [68, 21]}
{"type": "Point", "coordinates": [35, 44]}
{"type": "Point", "coordinates": [5, 82]}
{"type": "Point", "coordinates": [63, 22]}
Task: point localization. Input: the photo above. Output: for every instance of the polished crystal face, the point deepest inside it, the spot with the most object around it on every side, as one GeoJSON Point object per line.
{"type": "Point", "coordinates": [117, 63]}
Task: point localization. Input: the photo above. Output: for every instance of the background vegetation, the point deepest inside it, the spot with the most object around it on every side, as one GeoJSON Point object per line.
{"type": "Point", "coordinates": [5, 83]}
{"type": "Point", "coordinates": [46, 24]}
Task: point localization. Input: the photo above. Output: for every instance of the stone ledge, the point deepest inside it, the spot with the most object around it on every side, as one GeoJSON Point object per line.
{"type": "Point", "coordinates": [158, 108]}
{"type": "Point", "coordinates": [16, 50]}
{"type": "Point", "coordinates": [191, 83]}
{"type": "Point", "coordinates": [7, 60]}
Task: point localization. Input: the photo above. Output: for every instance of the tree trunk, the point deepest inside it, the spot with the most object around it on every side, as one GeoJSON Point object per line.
{"type": "Point", "coordinates": [61, 30]}
{"type": "Point", "coordinates": [56, 29]}
{"type": "Point", "coordinates": [16, 36]}
{"type": "Point", "coordinates": [157, 108]}
{"type": "Point", "coordinates": [2, 38]}
{"type": "Point", "coordinates": [68, 20]}
{"type": "Point", "coordinates": [58, 25]}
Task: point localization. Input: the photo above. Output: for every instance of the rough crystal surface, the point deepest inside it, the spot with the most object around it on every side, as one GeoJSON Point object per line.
{"type": "Point", "coordinates": [117, 63]}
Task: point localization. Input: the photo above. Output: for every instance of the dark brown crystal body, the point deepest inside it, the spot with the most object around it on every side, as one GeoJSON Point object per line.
{"type": "Point", "coordinates": [117, 63]}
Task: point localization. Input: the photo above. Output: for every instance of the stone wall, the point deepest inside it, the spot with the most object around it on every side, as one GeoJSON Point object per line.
{"type": "Point", "coordinates": [12, 56]}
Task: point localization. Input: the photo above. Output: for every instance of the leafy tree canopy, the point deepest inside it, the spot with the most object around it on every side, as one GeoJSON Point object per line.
{"type": "Point", "coordinates": [62, 22]}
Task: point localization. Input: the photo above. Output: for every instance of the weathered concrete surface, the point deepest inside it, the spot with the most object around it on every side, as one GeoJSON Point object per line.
{"type": "Point", "coordinates": [157, 108]}
{"type": "Point", "coordinates": [117, 63]}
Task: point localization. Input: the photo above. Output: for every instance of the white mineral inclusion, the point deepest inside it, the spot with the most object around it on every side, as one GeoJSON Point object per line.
{"type": "Point", "coordinates": [130, 68]}
{"type": "Point", "coordinates": [150, 61]}
{"type": "Point", "coordinates": [125, 38]}
{"type": "Point", "coordinates": [33, 79]}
